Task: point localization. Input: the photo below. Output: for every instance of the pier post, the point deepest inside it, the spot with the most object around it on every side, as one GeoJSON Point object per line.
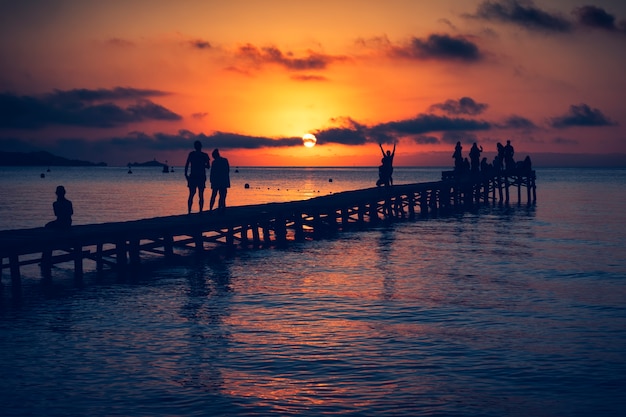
{"type": "Point", "coordinates": [280, 229]}
{"type": "Point", "coordinates": [168, 245]}
{"type": "Point", "coordinates": [424, 203]}
{"type": "Point", "coordinates": [78, 264]}
{"type": "Point", "coordinates": [16, 279]}
{"type": "Point", "coordinates": [198, 241]}
{"type": "Point", "coordinates": [256, 238]}
{"type": "Point", "coordinates": [411, 204]}
{"type": "Point", "coordinates": [46, 264]}
{"type": "Point", "coordinates": [120, 254]}
{"type": "Point", "coordinates": [298, 227]}
{"type": "Point", "coordinates": [244, 235]}
{"type": "Point", "coordinates": [374, 212]}
{"type": "Point", "coordinates": [133, 252]}
{"type": "Point", "coordinates": [99, 261]}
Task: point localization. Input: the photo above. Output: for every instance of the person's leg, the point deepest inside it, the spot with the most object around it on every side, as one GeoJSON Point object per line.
{"type": "Point", "coordinates": [201, 197]}
{"type": "Point", "coordinates": [192, 192]}
{"type": "Point", "coordinates": [222, 201]}
{"type": "Point", "coordinates": [213, 195]}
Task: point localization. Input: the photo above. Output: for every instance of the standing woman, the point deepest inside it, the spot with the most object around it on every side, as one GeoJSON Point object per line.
{"type": "Point", "coordinates": [220, 180]}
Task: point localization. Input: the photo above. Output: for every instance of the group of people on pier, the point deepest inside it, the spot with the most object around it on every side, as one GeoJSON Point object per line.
{"type": "Point", "coordinates": [502, 162]}
{"type": "Point", "coordinates": [198, 162]}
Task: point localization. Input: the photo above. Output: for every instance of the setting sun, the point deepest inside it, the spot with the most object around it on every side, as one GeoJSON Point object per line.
{"type": "Point", "coordinates": [309, 140]}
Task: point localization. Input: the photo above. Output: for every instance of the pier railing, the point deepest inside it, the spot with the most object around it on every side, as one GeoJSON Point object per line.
{"type": "Point", "coordinates": [119, 246]}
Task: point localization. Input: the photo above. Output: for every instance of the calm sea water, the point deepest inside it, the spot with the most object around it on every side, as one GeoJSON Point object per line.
{"type": "Point", "coordinates": [503, 311]}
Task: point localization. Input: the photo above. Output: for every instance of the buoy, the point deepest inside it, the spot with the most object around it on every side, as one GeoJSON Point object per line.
{"type": "Point", "coordinates": [246, 185]}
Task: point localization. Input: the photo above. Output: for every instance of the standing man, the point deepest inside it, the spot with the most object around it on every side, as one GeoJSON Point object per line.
{"type": "Point", "coordinates": [196, 176]}
{"type": "Point", "coordinates": [220, 180]}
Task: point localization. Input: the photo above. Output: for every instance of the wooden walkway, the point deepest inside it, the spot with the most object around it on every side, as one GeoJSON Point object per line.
{"type": "Point", "coordinates": [119, 246]}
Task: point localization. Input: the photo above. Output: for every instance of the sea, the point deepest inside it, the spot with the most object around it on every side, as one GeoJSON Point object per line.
{"type": "Point", "coordinates": [499, 310]}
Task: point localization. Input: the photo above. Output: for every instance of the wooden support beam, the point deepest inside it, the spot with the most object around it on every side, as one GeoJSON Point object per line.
{"type": "Point", "coordinates": [16, 278]}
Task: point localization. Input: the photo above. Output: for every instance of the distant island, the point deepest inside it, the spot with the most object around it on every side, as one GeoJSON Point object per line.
{"type": "Point", "coordinates": [41, 158]}
{"type": "Point", "coordinates": [154, 163]}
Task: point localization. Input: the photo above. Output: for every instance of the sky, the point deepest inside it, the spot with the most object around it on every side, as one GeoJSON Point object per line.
{"type": "Point", "coordinates": [136, 80]}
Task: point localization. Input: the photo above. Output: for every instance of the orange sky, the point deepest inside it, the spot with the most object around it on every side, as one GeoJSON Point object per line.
{"type": "Point", "coordinates": [131, 81]}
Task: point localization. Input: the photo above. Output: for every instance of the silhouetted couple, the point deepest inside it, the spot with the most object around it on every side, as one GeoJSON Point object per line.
{"type": "Point", "coordinates": [385, 170]}
{"type": "Point", "coordinates": [63, 210]}
{"type": "Point", "coordinates": [195, 172]}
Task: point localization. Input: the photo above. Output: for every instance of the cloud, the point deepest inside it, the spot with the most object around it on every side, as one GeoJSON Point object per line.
{"type": "Point", "coordinates": [443, 47]}
{"type": "Point", "coordinates": [200, 44]}
{"type": "Point", "coordinates": [454, 137]}
{"type": "Point", "coordinates": [597, 18]}
{"type": "Point", "coordinates": [581, 115]}
{"type": "Point", "coordinates": [273, 55]}
{"type": "Point", "coordinates": [308, 77]}
{"type": "Point", "coordinates": [517, 122]}
{"type": "Point", "coordinates": [425, 140]}
{"type": "Point", "coordinates": [464, 105]}
{"type": "Point", "coordinates": [120, 43]}
{"type": "Point", "coordinates": [81, 107]}
{"type": "Point", "coordinates": [522, 13]}
{"type": "Point", "coordinates": [199, 115]}
{"type": "Point", "coordinates": [426, 123]}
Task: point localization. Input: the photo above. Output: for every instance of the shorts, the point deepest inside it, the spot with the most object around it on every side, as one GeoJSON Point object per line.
{"type": "Point", "coordinates": [196, 182]}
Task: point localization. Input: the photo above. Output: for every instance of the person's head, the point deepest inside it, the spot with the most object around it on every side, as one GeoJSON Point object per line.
{"type": "Point", "coordinates": [215, 153]}
{"type": "Point", "coordinates": [60, 192]}
{"type": "Point", "coordinates": [198, 145]}
{"type": "Point", "coordinates": [388, 153]}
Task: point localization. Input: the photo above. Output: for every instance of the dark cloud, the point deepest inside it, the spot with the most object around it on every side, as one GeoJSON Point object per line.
{"type": "Point", "coordinates": [444, 47]}
{"type": "Point", "coordinates": [426, 123]}
{"type": "Point", "coordinates": [581, 115]}
{"type": "Point", "coordinates": [522, 13]}
{"type": "Point", "coordinates": [425, 140]}
{"type": "Point", "coordinates": [464, 105]}
{"type": "Point", "coordinates": [454, 137]}
{"type": "Point", "coordinates": [595, 17]}
{"type": "Point", "coordinates": [200, 115]}
{"type": "Point", "coordinates": [308, 77]}
{"type": "Point", "coordinates": [273, 55]}
{"type": "Point", "coordinates": [200, 44]}
{"type": "Point", "coordinates": [517, 122]}
{"type": "Point", "coordinates": [81, 107]}
{"type": "Point", "coordinates": [120, 43]}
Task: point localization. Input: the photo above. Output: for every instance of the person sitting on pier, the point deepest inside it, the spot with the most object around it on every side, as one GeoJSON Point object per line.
{"type": "Point", "coordinates": [198, 161]}
{"type": "Point", "coordinates": [385, 171]}
{"type": "Point", "coordinates": [220, 180]}
{"type": "Point", "coordinates": [509, 151]}
{"type": "Point", "coordinates": [63, 210]}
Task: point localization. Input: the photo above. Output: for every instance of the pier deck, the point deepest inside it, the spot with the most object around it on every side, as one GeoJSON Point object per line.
{"type": "Point", "coordinates": [118, 246]}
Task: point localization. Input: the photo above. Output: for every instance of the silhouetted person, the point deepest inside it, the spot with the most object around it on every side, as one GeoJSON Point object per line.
{"type": "Point", "coordinates": [385, 172]}
{"type": "Point", "coordinates": [474, 155]}
{"type": "Point", "coordinates": [195, 172]}
{"type": "Point", "coordinates": [63, 210]}
{"type": "Point", "coordinates": [485, 167]}
{"type": "Point", "coordinates": [458, 158]}
{"type": "Point", "coordinates": [508, 152]}
{"type": "Point", "coordinates": [466, 166]}
{"type": "Point", "coordinates": [220, 180]}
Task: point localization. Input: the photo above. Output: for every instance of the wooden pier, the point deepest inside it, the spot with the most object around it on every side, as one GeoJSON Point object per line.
{"type": "Point", "coordinates": [119, 246]}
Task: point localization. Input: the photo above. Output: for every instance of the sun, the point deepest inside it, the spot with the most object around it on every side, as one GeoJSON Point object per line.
{"type": "Point", "coordinates": [309, 140]}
